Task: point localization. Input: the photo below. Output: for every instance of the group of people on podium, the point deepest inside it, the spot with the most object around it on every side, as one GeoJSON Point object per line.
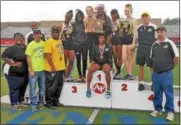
{"type": "Point", "coordinates": [49, 63]}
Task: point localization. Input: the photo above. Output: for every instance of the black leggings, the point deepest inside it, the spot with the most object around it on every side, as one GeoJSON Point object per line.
{"type": "Point", "coordinates": [90, 41]}
{"type": "Point", "coordinates": [81, 50]}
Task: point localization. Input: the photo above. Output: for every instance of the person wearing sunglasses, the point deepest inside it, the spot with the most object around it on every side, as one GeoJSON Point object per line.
{"type": "Point", "coordinates": [54, 68]}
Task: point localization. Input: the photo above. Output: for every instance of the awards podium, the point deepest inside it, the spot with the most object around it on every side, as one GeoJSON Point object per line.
{"type": "Point", "coordinates": [124, 95]}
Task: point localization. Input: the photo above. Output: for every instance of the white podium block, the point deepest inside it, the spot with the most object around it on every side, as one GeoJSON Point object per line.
{"type": "Point", "coordinates": [125, 95]}
{"type": "Point", "coordinates": [74, 94]}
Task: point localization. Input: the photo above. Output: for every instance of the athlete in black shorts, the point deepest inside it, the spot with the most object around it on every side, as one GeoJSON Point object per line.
{"type": "Point", "coordinates": [101, 60]}
{"type": "Point", "coordinates": [116, 42]}
{"type": "Point", "coordinates": [129, 33]}
{"type": "Point", "coordinates": [146, 37]}
{"type": "Point", "coordinates": [67, 38]}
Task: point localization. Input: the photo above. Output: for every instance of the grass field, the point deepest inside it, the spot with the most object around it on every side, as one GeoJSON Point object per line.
{"type": "Point", "coordinates": [69, 115]}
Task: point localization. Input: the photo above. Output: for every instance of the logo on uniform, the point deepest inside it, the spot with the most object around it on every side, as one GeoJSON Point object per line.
{"type": "Point", "coordinates": [99, 88]}
{"type": "Point", "coordinates": [150, 30]}
{"type": "Point", "coordinates": [165, 47]}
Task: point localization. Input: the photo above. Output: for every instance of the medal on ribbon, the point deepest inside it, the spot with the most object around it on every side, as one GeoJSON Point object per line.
{"type": "Point", "coordinates": [101, 53]}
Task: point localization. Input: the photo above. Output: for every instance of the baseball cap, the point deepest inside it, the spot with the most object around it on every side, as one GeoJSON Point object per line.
{"type": "Point", "coordinates": [161, 28]}
{"type": "Point", "coordinates": [55, 28]}
{"type": "Point", "coordinates": [145, 13]}
{"type": "Point", "coordinates": [36, 31]}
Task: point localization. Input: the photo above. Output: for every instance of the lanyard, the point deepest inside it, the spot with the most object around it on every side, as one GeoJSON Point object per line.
{"type": "Point", "coordinates": [101, 52]}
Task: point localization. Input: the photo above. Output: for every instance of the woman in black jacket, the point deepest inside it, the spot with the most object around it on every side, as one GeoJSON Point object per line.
{"type": "Point", "coordinates": [15, 69]}
{"type": "Point", "coordinates": [80, 43]}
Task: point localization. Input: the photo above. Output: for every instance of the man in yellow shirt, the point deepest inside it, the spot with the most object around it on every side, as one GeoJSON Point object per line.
{"type": "Point", "coordinates": [54, 68]}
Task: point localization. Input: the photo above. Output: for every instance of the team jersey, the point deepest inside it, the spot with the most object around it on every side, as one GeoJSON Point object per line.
{"type": "Point", "coordinates": [115, 28]}
{"type": "Point", "coordinates": [147, 34]}
{"type": "Point", "coordinates": [127, 27]}
{"type": "Point", "coordinates": [66, 32]}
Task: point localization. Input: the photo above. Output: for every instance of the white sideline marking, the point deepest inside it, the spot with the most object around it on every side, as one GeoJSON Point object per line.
{"type": "Point", "coordinates": [93, 116]}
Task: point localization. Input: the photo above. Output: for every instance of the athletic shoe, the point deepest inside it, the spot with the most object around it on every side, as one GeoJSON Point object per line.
{"type": "Point", "coordinates": [57, 104]}
{"type": "Point", "coordinates": [155, 113]}
{"type": "Point", "coordinates": [40, 106]}
{"type": "Point", "coordinates": [68, 79]}
{"type": "Point", "coordinates": [84, 79]}
{"type": "Point", "coordinates": [34, 109]}
{"type": "Point", "coordinates": [125, 77]}
{"type": "Point", "coordinates": [88, 93]}
{"type": "Point", "coordinates": [130, 77]}
{"type": "Point", "coordinates": [79, 79]}
{"type": "Point", "coordinates": [117, 76]}
{"type": "Point", "coordinates": [170, 116]}
{"type": "Point", "coordinates": [108, 94]}
{"type": "Point", "coordinates": [141, 87]}
{"type": "Point", "coordinates": [16, 107]}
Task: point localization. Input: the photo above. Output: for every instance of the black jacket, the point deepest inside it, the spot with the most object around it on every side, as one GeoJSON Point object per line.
{"type": "Point", "coordinates": [79, 35]}
{"type": "Point", "coordinates": [107, 55]}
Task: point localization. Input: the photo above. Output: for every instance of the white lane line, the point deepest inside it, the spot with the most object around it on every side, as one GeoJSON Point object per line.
{"type": "Point", "coordinates": [93, 116]}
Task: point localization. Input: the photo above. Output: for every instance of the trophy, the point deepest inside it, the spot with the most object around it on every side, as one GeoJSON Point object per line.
{"type": "Point", "coordinates": [90, 28]}
{"type": "Point", "coordinates": [99, 26]}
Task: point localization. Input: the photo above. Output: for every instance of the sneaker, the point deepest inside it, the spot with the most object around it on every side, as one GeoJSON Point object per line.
{"type": "Point", "coordinates": [125, 77]}
{"type": "Point", "coordinates": [88, 93]}
{"type": "Point", "coordinates": [52, 107]}
{"type": "Point", "coordinates": [34, 109]}
{"type": "Point", "coordinates": [155, 113]}
{"type": "Point", "coordinates": [170, 116]}
{"type": "Point", "coordinates": [108, 94]}
{"type": "Point", "coordinates": [79, 79]}
{"type": "Point", "coordinates": [40, 106]}
{"type": "Point", "coordinates": [68, 79]}
{"type": "Point", "coordinates": [141, 87]}
{"type": "Point", "coordinates": [130, 77]}
{"type": "Point", "coordinates": [15, 107]}
{"type": "Point", "coordinates": [117, 76]}
{"type": "Point", "coordinates": [83, 79]}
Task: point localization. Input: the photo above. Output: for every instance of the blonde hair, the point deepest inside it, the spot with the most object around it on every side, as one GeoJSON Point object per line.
{"type": "Point", "coordinates": [90, 7]}
{"type": "Point", "coordinates": [129, 6]}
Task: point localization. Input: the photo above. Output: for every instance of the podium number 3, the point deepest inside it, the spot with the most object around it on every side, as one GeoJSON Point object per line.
{"type": "Point", "coordinates": [99, 77]}
{"type": "Point", "coordinates": [124, 87]}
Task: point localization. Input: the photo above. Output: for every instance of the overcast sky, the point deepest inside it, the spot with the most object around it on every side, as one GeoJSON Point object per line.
{"type": "Point", "coordinates": [55, 10]}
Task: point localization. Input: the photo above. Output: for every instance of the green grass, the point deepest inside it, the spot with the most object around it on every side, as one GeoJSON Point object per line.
{"type": "Point", "coordinates": [142, 117]}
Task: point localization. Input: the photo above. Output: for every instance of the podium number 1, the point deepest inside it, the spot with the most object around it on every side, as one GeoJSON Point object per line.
{"type": "Point", "coordinates": [99, 77]}
{"type": "Point", "coordinates": [124, 87]}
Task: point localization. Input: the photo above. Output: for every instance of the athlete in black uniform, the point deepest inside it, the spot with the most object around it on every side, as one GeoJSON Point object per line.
{"type": "Point", "coordinates": [101, 59]}
{"type": "Point", "coordinates": [67, 38]}
{"type": "Point", "coordinates": [129, 33]}
{"type": "Point", "coordinates": [116, 42]}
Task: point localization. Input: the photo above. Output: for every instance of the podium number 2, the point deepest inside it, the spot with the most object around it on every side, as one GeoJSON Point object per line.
{"type": "Point", "coordinates": [124, 87]}
{"type": "Point", "coordinates": [99, 77]}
